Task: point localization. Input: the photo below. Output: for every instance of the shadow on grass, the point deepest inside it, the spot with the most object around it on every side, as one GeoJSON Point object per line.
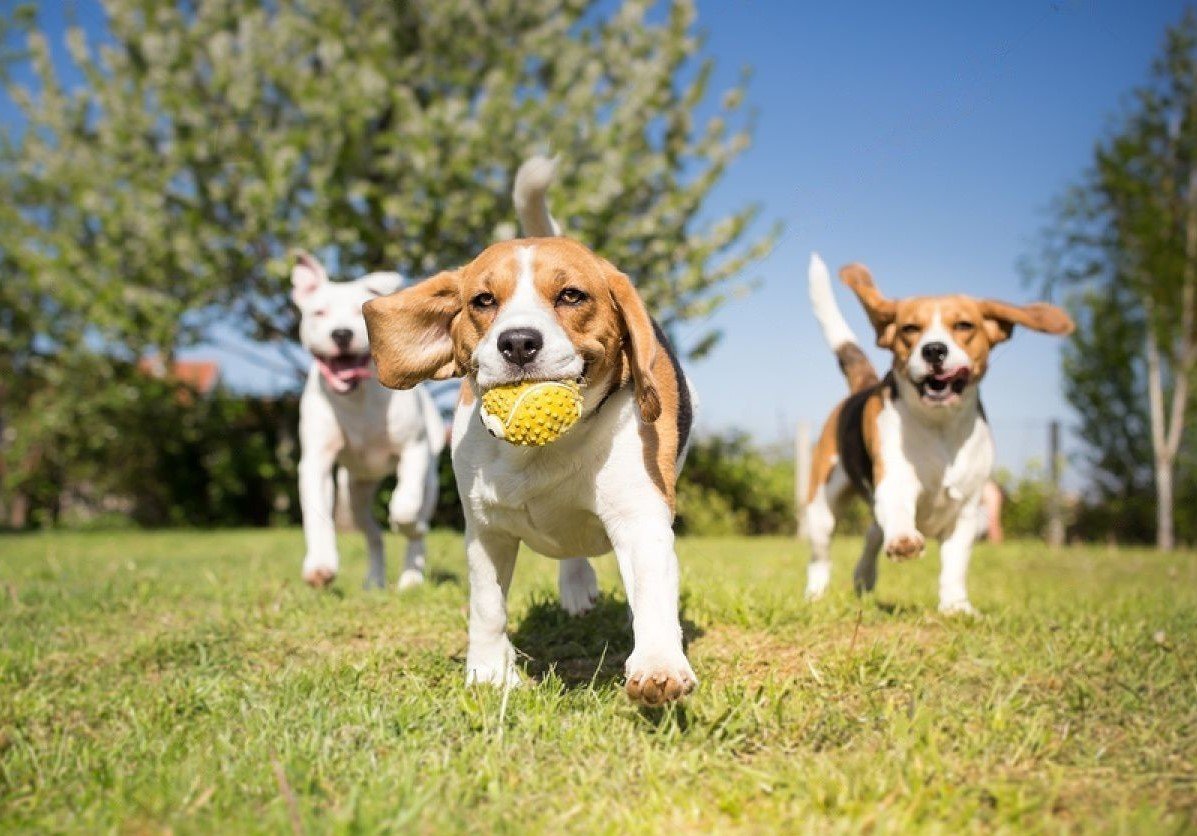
{"type": "Point", "coordinates": [439, 577]}
{"type": "Point", "coordinates": [583, 649]}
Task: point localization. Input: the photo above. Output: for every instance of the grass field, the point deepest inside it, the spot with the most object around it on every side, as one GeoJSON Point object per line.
{"type": "Point", "coordinates": [188, 681]}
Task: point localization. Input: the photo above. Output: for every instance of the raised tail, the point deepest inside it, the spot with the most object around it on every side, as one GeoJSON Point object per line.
{"type": "Point", "coordinates": [532, 181]}
{"type": "Point", "coordinates": [853, 362]}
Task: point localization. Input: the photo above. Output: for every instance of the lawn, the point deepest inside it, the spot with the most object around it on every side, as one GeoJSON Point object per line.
{"type": "Point", "coordinates": [188, 681]}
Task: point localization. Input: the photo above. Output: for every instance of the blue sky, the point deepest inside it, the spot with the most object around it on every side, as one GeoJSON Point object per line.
{"type": "Point", "coordinates": [924, 139]}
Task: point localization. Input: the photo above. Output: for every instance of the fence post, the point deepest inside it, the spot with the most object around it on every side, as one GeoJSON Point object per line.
{"type": "Point", "coordinates": [1055, 511]}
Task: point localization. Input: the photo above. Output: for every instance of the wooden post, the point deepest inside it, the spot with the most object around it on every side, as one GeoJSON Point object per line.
{"type": "Point", "coordinates": [1055, 511]}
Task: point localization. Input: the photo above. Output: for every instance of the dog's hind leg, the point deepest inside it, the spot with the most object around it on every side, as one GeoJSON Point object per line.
{"type": "Point", "coordinates": [864, 579]}
{"type": "Point", "coordinates": [361, 504]}
{"type": "Point", "coordinates": [412, 505]}
{"type": "Point", "coordinates": [577, 585]}
{"type": "Point", "coordinates": [820, 525]}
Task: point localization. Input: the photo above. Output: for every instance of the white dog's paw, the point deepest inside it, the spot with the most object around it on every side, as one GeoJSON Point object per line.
{"type": "Point", "coordinates": [905, 546]}
{"type": "Point", "coordinates": [654, 679]}
{"type": "Point", "coordinates": [578, 586]}
{"type": "Point", "coordinates": [959, 607]}
{"type": "Point", "coordinates": [818, 578]}
{"type": "Point", "coordinates": [410, 578]}
{"type": "Point", "coordinates": [318, 575]}
{"type": "Point", "coordinates": [499, 674]}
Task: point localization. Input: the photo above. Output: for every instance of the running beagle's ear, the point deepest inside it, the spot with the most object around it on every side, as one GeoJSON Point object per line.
{"type": "Point", "coordinates": [641, 341]}
{"type": "Point", "coordinates": [410, 331]}
{"type": "Point", "coordinates": [882, 312]}
{"type": "Point", "coordinates": [1001, 317]}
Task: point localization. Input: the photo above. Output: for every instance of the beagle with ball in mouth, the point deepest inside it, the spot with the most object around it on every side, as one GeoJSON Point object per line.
{"type": "Point", "coordinates": [915, 444]}
{"type": "Point", "coordinates": [546, 308]}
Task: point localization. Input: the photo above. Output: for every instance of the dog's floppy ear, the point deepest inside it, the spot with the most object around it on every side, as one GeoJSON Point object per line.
{"type": "Point", "coordinates": [881, 311]}
{"type": "Point", "coordinates": [409, 331]}
{"type": "Point", "coordinates": [307, 276]}
{"type": "Point", "coordinates": [1001, 317]}
{"type": "Point", "coordinates": [641, 341]}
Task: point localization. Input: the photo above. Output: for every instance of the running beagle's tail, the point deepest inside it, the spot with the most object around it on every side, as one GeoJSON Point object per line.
{"type": "Point", "coordinates": [853, 362]}
{"type": "Point", "coordinates": [532, 181]}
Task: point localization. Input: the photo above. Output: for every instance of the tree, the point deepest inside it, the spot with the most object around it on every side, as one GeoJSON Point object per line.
{"type": "Point", "coordinates": [1127, 235]}
{"type": "Point", "coordinates": [208, 140]}
{"type": "Point", "coordinates": [165, 192]}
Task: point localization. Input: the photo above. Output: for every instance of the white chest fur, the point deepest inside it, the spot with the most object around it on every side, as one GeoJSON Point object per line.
{"type": "Point", "coordinates": [948, 457]}
{"type": "Point", "coordinates": [559, 498]}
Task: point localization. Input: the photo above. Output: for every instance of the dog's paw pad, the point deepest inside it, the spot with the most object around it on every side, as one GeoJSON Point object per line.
{"type": "Point", "coordinates": [661, 686]}
{"type": "Point", "coordinates": [320, 577]}
{"type": "Point", "coordinates": [905, 547]}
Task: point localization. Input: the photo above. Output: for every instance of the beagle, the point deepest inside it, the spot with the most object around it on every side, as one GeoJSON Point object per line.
{"type": "Point", "coordinates": [915, 444]}
{"type": "Point", "coordinates": [547, 308]}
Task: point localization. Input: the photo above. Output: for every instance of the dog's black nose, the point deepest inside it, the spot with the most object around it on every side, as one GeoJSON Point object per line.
{"type": "Point", "coordinates": [520, 345]}
{"type": "Point", "coordinates": [935, 353]}
{"type": "Point", "coordinates": [342, 337]}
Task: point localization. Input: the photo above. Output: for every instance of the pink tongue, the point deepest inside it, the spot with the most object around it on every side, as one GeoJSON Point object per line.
{"type": "Point", "coordinates": [342, 372]}
{"type": "Point", "coordinates": [961, 373]}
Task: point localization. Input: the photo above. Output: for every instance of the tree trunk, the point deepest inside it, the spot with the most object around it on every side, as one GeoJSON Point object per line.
{"type": "Point", "coordinates": [1165, 537]}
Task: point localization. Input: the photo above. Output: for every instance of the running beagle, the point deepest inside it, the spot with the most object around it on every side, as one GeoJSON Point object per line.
{"type": "Point", "coordinates": [915, 444]}
{"type": "Point", "coordinates": [547, 308]}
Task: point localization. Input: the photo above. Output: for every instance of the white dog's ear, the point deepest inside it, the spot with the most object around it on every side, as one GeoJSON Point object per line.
{"type": "Point", "coordinates": [307, 276]}
{"type": "Point", "coordinates": [382, 282]}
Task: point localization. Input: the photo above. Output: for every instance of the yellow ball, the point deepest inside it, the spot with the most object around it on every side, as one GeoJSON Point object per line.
{"type": "Point", "coordinates": [532, 414]}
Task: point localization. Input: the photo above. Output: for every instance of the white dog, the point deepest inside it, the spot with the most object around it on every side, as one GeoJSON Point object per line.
{"type": "Point", "coordinates": [349, 422]}
{"type": "Point", "coordinates": [548, 308]}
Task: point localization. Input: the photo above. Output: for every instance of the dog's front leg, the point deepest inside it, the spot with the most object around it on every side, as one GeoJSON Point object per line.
{"type": "Point", "coordinates": [895, 503]}
{"type": "Point", "coordinates": [657, 671]}
{"type": "Point", "coordinates": [490, 658]}
{"type": "Point", "coordinates": [412, 505]}
{"type": "Point", "coordinates": [316, 489]}
{"type": "Point", "coordinates": [954, 554]}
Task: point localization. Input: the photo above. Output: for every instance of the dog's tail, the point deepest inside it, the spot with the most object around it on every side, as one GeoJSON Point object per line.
{"type": "Point", "coordinates": [853, 362]}
{"type": "Point", "coordinates": [532, 181]}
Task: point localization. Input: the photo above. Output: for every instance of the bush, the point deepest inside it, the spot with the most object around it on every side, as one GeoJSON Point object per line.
{"type": "Point", "coordinates": [729, 486]}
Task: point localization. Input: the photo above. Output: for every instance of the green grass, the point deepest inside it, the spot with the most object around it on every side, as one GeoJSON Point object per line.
{"type": "Point", "coordinates": [188, 681]}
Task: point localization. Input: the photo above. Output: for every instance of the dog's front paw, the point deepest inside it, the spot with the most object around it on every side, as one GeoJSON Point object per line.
{"type": "Point", "coordinates": [318, 577]}
{"type": "Point", "coordinates": [905, 546]}
{"type": "Point", "coordinates": [578, 586]}
{"type": "Point", "coordinates": [500, 674]}
{"type": "Point", "coordinates": [959, 607]}
{"type": "Point", "coordinates": [656, 681]}
{"type": "Point", "coordinates": [410, 578]}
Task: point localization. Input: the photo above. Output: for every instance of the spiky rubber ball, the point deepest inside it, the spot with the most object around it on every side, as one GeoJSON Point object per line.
{"type": "Point", "coordinates": [532, 414]}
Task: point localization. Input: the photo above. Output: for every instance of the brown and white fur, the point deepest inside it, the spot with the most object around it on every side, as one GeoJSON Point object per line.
{"type": "Point", "coordinates": [916, 445]}
{"type": "Point", "coordinates": [545, 308]}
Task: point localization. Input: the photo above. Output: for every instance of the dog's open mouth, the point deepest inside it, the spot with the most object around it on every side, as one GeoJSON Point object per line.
{"type": "Point", "coordinates": [343, 372]}
{"type": "Point", "coordinates": [945, 387]}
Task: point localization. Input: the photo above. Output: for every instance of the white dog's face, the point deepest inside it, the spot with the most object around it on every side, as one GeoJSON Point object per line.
{"type": "Point", "coordinates": [331, 324]}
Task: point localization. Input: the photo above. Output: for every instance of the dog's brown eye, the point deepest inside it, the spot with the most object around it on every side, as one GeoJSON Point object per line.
{"type": "Point", "coordinates": [964, 327]}
{"type": "Point", "coordinates": [483, 300]}
{"type": "Point", "coordinates": [911, 330]}
{"type": "Point", "coordinates": [571, 296]}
